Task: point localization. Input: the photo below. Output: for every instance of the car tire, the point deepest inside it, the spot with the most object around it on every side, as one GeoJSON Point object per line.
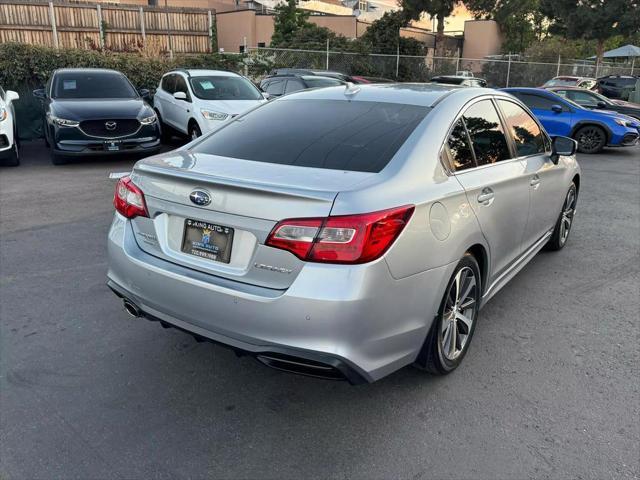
{"type": "Point", "coordinates": [44, 134]}
{"type": "Point", "coordinates": [57, 159]}
{"type": "Point", "coordinates": [590, 138]}
{"type": "Point", "coordinates": [450, 335]}
{"type": "Point", "coordinates": [194, 131]}
{"type": "Point", "coordinates": [13, 159]}
{"type": "Point", "coordinates": [165, 130]}
{"type": "Point", "coordinates": [565, 221]}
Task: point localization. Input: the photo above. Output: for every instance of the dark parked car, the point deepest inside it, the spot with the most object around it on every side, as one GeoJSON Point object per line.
{"type": "Point", "coordinates": [306, 71]}
{"type": "Point", "coordinates": [279, 85]}
{"type": "Point", "coordinates": [461, 80]}
{"type": "Point", "coordinates": [96, 112]}
{"type": "Point", "coordinates": [593, 100]}
{"type": "Point", "coordinates": [616, 86]}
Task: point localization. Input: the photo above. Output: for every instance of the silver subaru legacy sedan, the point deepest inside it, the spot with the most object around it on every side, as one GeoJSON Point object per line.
{"type": "Point", "coordinates": [344, 232]}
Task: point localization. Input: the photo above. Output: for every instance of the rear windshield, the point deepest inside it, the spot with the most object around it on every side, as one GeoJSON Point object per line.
{"type": "Point", "coordinates": [315, 82]}
{"type": "Point", "coordinates": [448, 80]}
{"type": "Point", "coordinates": [92, 85]}
{"type": "Point", "coordinates": [561, 82]}
{"type": "Point", "coordinates": [332, 134]}
{"type": "Point", "coordinates": [224, 88]}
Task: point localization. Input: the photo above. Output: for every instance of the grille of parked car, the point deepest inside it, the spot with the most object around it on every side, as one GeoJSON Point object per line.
{"type": "Point", "coordinates": [110, 128]}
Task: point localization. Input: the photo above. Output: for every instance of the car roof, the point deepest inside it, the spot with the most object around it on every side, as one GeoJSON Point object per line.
{"type": "Point", "coordinates": [419, 94]}
{"type": "Point", "coordinates": [569, 87]}
{"type": "Point", "coordinates": [201, 72]}
{"type": "Point", "coordinates": [77, 70]}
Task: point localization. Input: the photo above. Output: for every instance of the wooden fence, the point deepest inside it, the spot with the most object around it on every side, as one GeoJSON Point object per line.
{"type": "Point", "coordinates": [114, 27]}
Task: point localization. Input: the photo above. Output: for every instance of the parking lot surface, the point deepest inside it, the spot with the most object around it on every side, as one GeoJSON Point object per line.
{"type": "Point", "coordinates": [549, 388]}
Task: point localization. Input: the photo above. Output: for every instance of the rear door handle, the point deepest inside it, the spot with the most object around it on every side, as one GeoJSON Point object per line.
{"type": "Point", "coordinates": [486, 196]}
{"type": "Point", "coordinates": [535, 181]}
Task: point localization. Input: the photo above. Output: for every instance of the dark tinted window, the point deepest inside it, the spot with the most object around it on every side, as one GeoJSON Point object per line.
{"type": "Point", "coordinates": [181, 85]}
{"type": "Point", "coordinates": [293, 85]}
{"type": "Point", "coordinates": [224, 88]}
{"type": "Point", "coordinates": [526, 133]}
{"type": "Point", "coordinates": [1, 93]}
{"type": "Point", "coordinates": [88, 84]}
{"type": "Point", "coordinates": [274, 87]}
{"type": "Point", "coordinates": [321, 82]}
{"type": "Point", "coordinates": [485, 130]}
{"type": "Point", "coordinates": [169, 83]}
{"type": "Point", "coordinates": [537, 101]}
{"type": "Point", "coordinates": [459, 148]}
{"type": "Point", "coordinates": [336, 134]}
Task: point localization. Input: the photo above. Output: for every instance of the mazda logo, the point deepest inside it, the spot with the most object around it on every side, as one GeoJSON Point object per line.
{"type": "Point", "coordinates": [110, 125]}
{"type": "Point", "coordinates": [200, 198]}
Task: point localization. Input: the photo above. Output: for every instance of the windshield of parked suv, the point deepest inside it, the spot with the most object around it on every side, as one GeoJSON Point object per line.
{"type": "Point", "coordinates": [87, 84]}
{"type": "Point", "coordinates": [224, 88]}
{"type": "Point", "coordinates": [334, 134]}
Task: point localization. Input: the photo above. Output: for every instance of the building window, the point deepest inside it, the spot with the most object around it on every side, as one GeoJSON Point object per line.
{"type": "Point", "coordinates": [262, 44]}
{"type": "Point", "coordinates": [362, 5]}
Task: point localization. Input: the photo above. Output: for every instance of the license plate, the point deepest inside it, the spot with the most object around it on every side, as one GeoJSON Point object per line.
{"type": "Point", "coordinates": [112, 146]}
{"type": "Point", "coordinates": [207, 240]}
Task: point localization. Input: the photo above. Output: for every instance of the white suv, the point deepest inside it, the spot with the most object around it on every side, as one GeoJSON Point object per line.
{"type": "Point", "coordinates": [8, 134]}
{"type": "Point", "coordinates": [193, 102]}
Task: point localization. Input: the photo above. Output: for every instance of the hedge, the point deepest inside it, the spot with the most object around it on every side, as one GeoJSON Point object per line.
{"type": "Point", "coordinates": [26, 67]}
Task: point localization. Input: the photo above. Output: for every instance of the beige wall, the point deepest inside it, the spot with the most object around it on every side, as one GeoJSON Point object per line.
{"type": "Point", "coordinates": [233, 27]}
{"type": "Point", "coordinates": [264, 29]}
{"type": "Point", "coordinates": [342, 25]}
{"type": "Point", "coordinates": [481, 38]}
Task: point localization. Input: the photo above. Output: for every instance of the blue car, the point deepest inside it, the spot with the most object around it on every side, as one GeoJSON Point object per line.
{"type": "Point", "coordinates": [593, 130]}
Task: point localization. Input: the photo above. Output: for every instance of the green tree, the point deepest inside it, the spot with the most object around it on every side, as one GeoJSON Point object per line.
{"type": "Point", "coordinates": [596, 20]}
{"type": "Point", "coordinates": [440, 9]}
{"type": "Point", "coordinates": [288, 22]}
{"type": "Point", "coordinates": [383, 35]}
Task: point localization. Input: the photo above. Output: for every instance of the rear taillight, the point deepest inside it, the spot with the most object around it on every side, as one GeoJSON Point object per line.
{"type": "Point", "coordinates": [341, 239]}
{"type": "Point", "coordinates": [129, 199]}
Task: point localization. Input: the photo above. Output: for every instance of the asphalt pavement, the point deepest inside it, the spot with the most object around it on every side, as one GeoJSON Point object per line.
{"type": "Point", "coordinates": [549, 388]}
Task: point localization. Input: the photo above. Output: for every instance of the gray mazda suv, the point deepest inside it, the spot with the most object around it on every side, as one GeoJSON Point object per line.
{"type": "Point", "coordinates": [344, 232]}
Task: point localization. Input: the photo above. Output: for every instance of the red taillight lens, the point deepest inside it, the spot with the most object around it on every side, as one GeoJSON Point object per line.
{"type": "Point", "coordinates": [129, 199]}
{"type": "Point", "coordinates": [341, 239]}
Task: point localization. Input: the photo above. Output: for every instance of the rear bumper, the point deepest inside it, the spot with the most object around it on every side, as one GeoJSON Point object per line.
{"type": "Point", "coordinates": [357, 320]}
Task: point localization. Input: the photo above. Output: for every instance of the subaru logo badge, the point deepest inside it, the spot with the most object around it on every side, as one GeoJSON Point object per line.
{"type": "Point", "coordinates": [200, 198]}
{"type": "Point", "coordinates": [110, 125]}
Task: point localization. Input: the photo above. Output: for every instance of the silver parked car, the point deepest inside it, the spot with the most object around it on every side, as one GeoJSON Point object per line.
{"type": "Point", "coordinates": [344, 232]}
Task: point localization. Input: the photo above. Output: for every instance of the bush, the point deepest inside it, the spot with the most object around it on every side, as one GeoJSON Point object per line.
{"type": "Point", "coordinates": [25, 67]}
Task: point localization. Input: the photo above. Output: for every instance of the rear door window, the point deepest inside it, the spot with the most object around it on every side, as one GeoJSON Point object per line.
{"type": "Point", "coordinates": [459, 147]}
{"type": "Point", "coordinates": [538, 102]}
{"type": "Point", "coordinates": [333, 134]}
{"type": "Point", "coordinates": [293, 85]}
{"type": "Point", "coordinates": [486, 133]}
{"type": "Point", "coordinates": [275, 87]}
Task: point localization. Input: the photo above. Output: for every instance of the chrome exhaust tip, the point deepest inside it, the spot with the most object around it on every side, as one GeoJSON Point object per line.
{"type": "Point", "coordinates": [131, 309]}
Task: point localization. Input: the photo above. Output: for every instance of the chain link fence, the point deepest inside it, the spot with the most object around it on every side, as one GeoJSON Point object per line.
{"type": "Point", "coordinates": [499, 72]}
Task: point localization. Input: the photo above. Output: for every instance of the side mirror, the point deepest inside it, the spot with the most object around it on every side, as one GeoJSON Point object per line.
{"type": "Point", "coordinates": [11, 96]}
{"type": "Point", "coordinates": [601, 104]}
{"type": "Point", "coordinates": [40, 93]}
{"type": "Point", "coordinates": [556, 108]}
{"type": "Point", "coordinates": [266, 96]}
{"type": "Point", "coordinates": [144, 93]}
{"type": "Point", "coordinates": [562, 146]}
{"type": "Point", "coordinates": [180, 96]}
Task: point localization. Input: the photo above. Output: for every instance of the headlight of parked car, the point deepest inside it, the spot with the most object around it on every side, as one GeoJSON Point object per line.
{"type": "Point", "coordinates": [211, 115]}
{"type": "Point", "coordinates": [150, 120]}
{"type": "Point", "coordinates": [624, 123]}
{"type": "Point", "coordinates": [3, 114]}
{"type": "Point", "coordinates": [62, 122]}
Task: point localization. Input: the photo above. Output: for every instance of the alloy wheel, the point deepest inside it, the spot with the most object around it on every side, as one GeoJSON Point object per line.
{"type": "Point", "coordinates": [590, 139]}
{"type": "Point", "coordinates": [568, 211]}
{"type": "Point", "coordinates": [459, 313]}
